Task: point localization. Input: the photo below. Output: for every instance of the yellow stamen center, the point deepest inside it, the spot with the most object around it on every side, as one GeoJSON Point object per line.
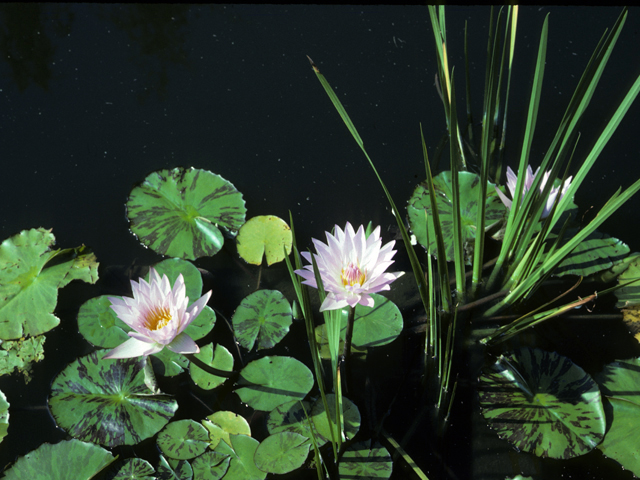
{"type": "Point", "coordinates": [157, 318]}
{"type": "Point", "coordinates": [351, 275]}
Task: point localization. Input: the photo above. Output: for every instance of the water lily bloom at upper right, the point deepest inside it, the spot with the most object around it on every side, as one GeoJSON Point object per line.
{"type": "Point", "coordinates": [528, 181]}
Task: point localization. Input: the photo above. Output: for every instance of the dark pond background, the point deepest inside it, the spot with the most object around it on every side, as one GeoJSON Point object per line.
{"type": "Point", "coordinates": [95, 97]}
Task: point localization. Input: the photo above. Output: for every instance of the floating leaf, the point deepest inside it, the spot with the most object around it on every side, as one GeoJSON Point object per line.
{"type": "Point", "coordinates": [211, 466]}
{"type": "Point", "coordinates": [222, 360]}
{"type": "Point", "coordinates": [270, 381]}
{"type": "Point", "coordinates": [222, 424]}
{"type": "Point", "coordinates": [631, 318]}
{"type": "Point", "coordinates": [542, 403]}
{"type": "Point", "coordinates": [99, 324]}
{"type": "Point", "coordinates": [20, 355]}
{"type": "Point", "coordinates": [265, 234]}
{"type": "Point", "coordinates": [4, 416]}
{"type": "Point", "coordinates": [183, 440]}
{"type": "Point", "coordinates": [365, 463]}
{"type": "Point", "coordinates": [469, 188]}
{"type": "Point", "coordinates": [69, 459]}
{"type": "Point", "coordinates": [241, 451]}
{"type": "Point", "coordinates": [350, 413]}
{"type": "Point", "coordinates": [172, 363]}
{"type": "Point", "coordinates": [181, 471]}
{"type": "Point", "coordinates": [282, 452]}
{"type": "Point", "coordinates": [108, 401]}
{"type": "Point", "coordinates": [264, 315]}
{"type": "Point", "coordinates": [177, 212]}
{"type": "Point", "coordinates": [597, 252]}
{"type": "Point", "coordinates": [629, 294]}
{"type": "Point", "coordinates": [135, 469]}
{"type": "Point", "coordinates": [619, 382]}
{"type": "Point", "coordinates": [292, 417]}
{"type": "Point", "coordinates": [29, 281]}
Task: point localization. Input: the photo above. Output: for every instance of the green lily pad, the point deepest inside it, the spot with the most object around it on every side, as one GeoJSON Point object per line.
{"type": "Point", "coordinates": [109, 402]}
{"type": "Point", "coordinates": [619, 383]}
{"type": "Point", "coordinates": [271, 381]}
{"type": "Point", "coordinates": [99, 324]}
{"type": "Point", "coordinates": [469, 187]}
{"type": "Point", "coordinates": [264, 235]}
{"type": "Point", "coordinates": [363, 461]}
{"type": "Point", "coordinates": [4, 416]}
{"type": "Point", "coordinates": [29, 281]}
{"type": "Point", "coordinates": [180, 471]}
{"type": "Point", "coordinates": [21, 355]}
{"type": "Point", "coordinates": [294, 416]}
{"type": "Point", "coordinates": [211, 466]}
{"type": "Point", "coordinates": [543, 403]}
{"type": "Point", "coordinates": [173, 268]}
{"type": "Point", "coordinates": [61, 461]}
{"type": "Point", "coordinates": [282, 452]}
{"type": "Point", "coordinates": [241, 451]}
{"type": "Point", "coordinates": [350, 413]}
{"type": "Point", "coordinates": [222, 424]}
{"type": "Point", "coordinates": [135, 469]}
{"type": "Point", "coordinates": [629, 295]}
{"type": "Point", "coordinates": [597, 252]}
{"type": "Point", "coordinates": [183, 440]}
{"type": "Point", "coordinates": [222, 360]}
{"type": "Point", "coordinates": [178, 212]}
{"type": "Point", "coordinates": [172, 363]}
{"type": "Point", "coordinates": [264, 315]}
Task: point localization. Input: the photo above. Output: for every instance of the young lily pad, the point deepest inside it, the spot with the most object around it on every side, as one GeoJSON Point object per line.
{"type": "Point", "coordinates": [61, 461]}
{"type": "Point", "coordinates": [264, 235]}
{"type": "Point", "coordinates": [178, 212]}
{"type": "Point", "coordinates": [469, 187]}
{"type": "Point", "coordinates": [222, 424]}
{"type": "Point", "coordinates": [597, 252]}
{"type": "Point", "coordinates": [135, 469]}
{"type": "Point", "coordinates": [241, 451]}
{"type": "Point", "coordinates": [180, 471]}
{"type": "Point", "coordinates": [21, 355]}
{"type": "Point", "coordinates": [282, 452]}
{"type": "Point", "coordinates": [350, 413]}
{"type": "Point", "coordinates": [4, 416]}
{"type": "Point", "coordinates": [543, 403]}
{"type": "Point", "coordinates": [109, 401]}
{"type": "Point", "coordinates": [183, 440]}
{"type": "Point", "coordinates": [619, 383]}
{"type": "Point", "coordinates": [270, 381]}
{"type": "Point", "coordinates": [211, 466]}
{"type": "Point", "coordinates": [264, 315]}
{"type": "Point", "coordinates": [364, 461]}
{"type": "Point", "coordinates": [29, 281]}
{"type": "Point", "coordinates": [222, 360]}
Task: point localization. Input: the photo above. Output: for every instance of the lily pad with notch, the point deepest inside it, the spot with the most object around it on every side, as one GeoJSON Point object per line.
{"type": "Point", "coordinates": [264, 235]}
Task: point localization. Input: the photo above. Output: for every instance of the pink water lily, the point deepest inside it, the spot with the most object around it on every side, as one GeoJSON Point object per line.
{"type": "Point", "coordinates": [528, 181]}
{"type": "Point", "coordinates": [158, 315]}
{"type": "Point", "coordinates": [352, 266]}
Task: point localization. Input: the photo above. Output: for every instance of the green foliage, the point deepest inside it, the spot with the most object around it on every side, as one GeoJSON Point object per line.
{"type": "Point", "coordinates": [265, 235]}
{"type": "Point", "coordinates": [69, 459]}
{"type": "Point", "coordinates": [364, 461]}
{"type": "Point", "coordinates": [181, 471]}
{"type": "Point", "coordinates": [30, 279]}
{"type": "Point", "coordinates": [211, 466]}
{"type": "Point", "coordinates": [221, 424]}
{"type": "Point", "coordinates": [99, 324]}
{"type": "Point", "coordinates": [542, 403]}
{"type": "Point", "coordinates": [620, 383]}
{"type": "Point", "coordinates": [178, 212]}
{"type": "Point", "coordinates": [268, 382]}
{"type": "Point", "coordinates": [135, 469]}
{"type": "Point", "coordinates": [292, 417]}
{"type": "Point", "coordinates": [109, 402]}
{"type": "Point", "coordinates": [264, 315]}
{"type": "Point", "coordinates": [183, 439]}
{"type": "Point", "coordinates": [629, 293]}
{"type": "Point", "coordinates": [469, 185]}
{"type": "Point", "coordinates": [282, 452]}
{"type": "Point", "coordinates": [20, 355]}
{"type": "Point", "coordinates": [350, 415]}
{"type": "Point", "coordinates": [595, 253]}
{"type": "Point", "coordinates": [4, 416]}
{"type": "Point", "coordinates": [222, 360]}
{"type": "Point", "coordinates": [241, 450]}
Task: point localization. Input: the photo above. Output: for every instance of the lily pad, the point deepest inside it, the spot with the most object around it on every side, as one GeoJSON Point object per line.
{"type": "Point", "coordinates": [173, 268]}
{"type": "Point", "coordinates": [29, 281]}
{"type": "Point", "coordinates": [222, 424]}
{"type": "Point", "coordinates": [597, 252]}
{"type": "Point", "coordinates": [265, 235]}
{"type": "Point", "coordinates": [20, 355]}
{"type": "Point", "coordinates": [222, 360]}
{"type": "Point", "coordinates": [183, 440]}
{"type": "Point", "coordinates": [282, 452]}
{"type": "Point", "coordinates": [211, 466]}
{"type": "Point", "coordinates": [179, 212]}
{"type": "Point", "coordinates": [108, 401]}
{"type": "Point", "coordinates": [469, 187]}
{"type": "Point", "coordinates": [268, 382]}
{"type": "Point", "coordinates": [293, 417]}
{"type": "Point", "coordinates": [364, 461]}
{"type": "Point", "coordinates": [99, 324]}
{"type": "Point", "coordinates": [629, 295]}
{"type": "Point", "coordinates": [181, 471]}
{"type": "Point", "coordinates": [61, 461]}
{"type": "Point", "coordinates": [241, 451]}
{"type": "Point", "coordinates": [350, 412]}
{"type": "Point", "coordinates": [4, 416]}
{"type": "Point", "coordinates": [619, 383]}
{"type": "Point", "coordinates": [264, 315]}
{"type": "Point", "coordinates": [135, 469]}
{"type": "Point", "coordinates": [543, 403]}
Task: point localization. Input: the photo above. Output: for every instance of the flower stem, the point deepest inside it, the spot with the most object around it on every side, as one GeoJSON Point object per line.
{"type": "Point", "coordinates": [346, 353]}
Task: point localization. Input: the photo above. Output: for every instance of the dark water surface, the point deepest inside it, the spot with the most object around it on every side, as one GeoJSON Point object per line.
{"type": "Point", "coordinates": [95, 97]}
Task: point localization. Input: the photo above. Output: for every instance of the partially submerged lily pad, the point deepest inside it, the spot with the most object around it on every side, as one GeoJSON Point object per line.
{"type": "Point", "coordinates": [265, 235]}
{"type": "Point", "coordinates": [179, 212]}
{"type": "Point", "coordinates": [30, 279]}
{"type": "Point", "coordinates": [595, 253]}
{"type": "Point", "coordinates": [20, 355]}
{"type": "Point", "coordinates": [109, 402]}
{"type": "Point", "coordinates": [265, 316]}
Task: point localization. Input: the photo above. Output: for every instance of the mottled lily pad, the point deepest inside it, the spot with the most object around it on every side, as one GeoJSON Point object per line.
{"type": "Point", "coordinates": [265, 316]}
{"type": "Point", "coordinates": [179, 212]}
{"type": "Point", "coordinates": [265, 235]}
{"type": "Point", "coordinates": [181, 470]}
{"type": "Point", "coordinates": [183, 440]}
{"type": "Point", "coordinates": [135, 469]}
{"type": "Point", "coordinates": [211, 466]}
{"type": "Point", "coordinates": [241, 451]}
{"type": "Point", "coordinates": [282, 452]}
{"type": "Point", "coordinates": [109, 402]}
{"type": "Point", "coordinates": [221, 359]}
{"type": "Point", "coordinates": [364, 461]}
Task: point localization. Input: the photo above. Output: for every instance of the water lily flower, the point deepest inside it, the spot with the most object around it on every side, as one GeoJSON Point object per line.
{"type": "Point", "coordinates": [352, 266]}
{"type": "Point", "coordinates": [528, 181]}
{"type": "Point", "coordinates": [158, 316]}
